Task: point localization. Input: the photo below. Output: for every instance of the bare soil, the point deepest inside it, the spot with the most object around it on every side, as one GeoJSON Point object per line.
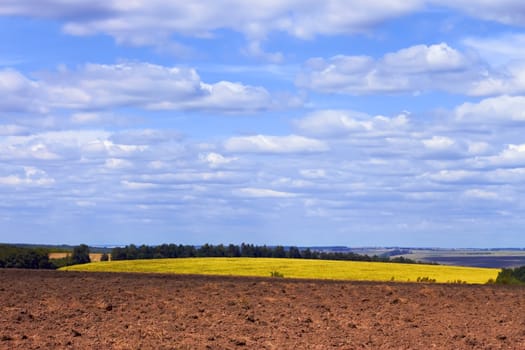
{"type": "Point", "coordinates": [72, 310]}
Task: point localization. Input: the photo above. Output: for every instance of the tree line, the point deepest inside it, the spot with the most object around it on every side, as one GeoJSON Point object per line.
{"type": "Point", "coordinates": [38, 258]}
{"type": "Point", "coordinates": [132, 252]}
{"type": "Point", "coordinates": [24, 258]}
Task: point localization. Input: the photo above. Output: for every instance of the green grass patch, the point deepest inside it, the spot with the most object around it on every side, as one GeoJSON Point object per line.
{"type": "Point", "coordinates": [296, 268]}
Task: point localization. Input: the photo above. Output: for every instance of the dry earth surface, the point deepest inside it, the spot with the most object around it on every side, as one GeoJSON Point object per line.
{"type": "Point", "coordinates": [72, 310]}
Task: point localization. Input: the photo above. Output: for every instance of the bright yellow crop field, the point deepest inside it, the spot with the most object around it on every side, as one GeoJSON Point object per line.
{"type": "Point", "coordinates": [296, 268]}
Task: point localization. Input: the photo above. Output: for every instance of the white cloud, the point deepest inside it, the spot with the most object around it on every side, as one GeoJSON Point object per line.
{"type": "Point", "coordinates": [31, 177]}
{"type": "Point", "coordinates": [451, 176]}
{"type": "Point", "coordinates": [500, 49]}
{"type": "Point", "coordinates": [482, 194]}
{"type": "Point", "coordinates": [478, 148]}
{"type": "Point", "coordinates": [192, 176]}
{"type": "Point", "coordinates": [333, 123]}
{"type": "Point", "coordinates": [507, 175]}
{"type": "Point", "coordinates": [439, 143]}
{"type": "Point", "coordinates": [509, 79]}
{"type": "Point", "coordinates": [116, 163]}
{"type": "Point", "coordinates": [143, 85]}
{"type": "Point", "coordinates": [154, 21]}
{"type": "Point", "coordinates": [86, 118]}
{"type": "Point", "coordinates": [415, 69]}
{"type": "Point", "coordinates": [254, 49]}
{"type": "Point", "coordinates": [33, 149]}
{"type": "Point", "coordinates": [274, 144]}
{"type": "Point", "coordinates": [152, 87]}
{"type": "Point", "coordinates": [19, 93]}
{"type": "Point", "coordinates": [12, 130]}
{"type": "Point", "coordinates": [132, 185]}
{"type": "Point", "coordinates": [496, 109]}
{"type": "Point", "coordinates": [423, 59]}
{"type": "Point", "coordinates": [107, 147]}
{"type": "Point", "coordinates": [262, 193]}
{"type": "Point", "coordinates": [511, 156]}
{"type": "Point", "coordinates": [144, 136]}
{"type": "Point", "coordinates": [504, 11]}
{"type": "Point", "coordinates": [215, 160]}
{"type": "Point", "coordinates": [313, 173]}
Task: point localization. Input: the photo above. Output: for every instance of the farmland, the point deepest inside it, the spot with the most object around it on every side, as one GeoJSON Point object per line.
{"type": "Point", "coordinates": [470, 257]}
{"type": "Point", "coordinates": [61, 255]}
{"type": "Point", "coordinates": [296, 268]}
{"type": "Point", "coordinates": [79, 310]}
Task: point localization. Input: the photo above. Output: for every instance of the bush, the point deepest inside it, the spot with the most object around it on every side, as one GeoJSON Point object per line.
{"type": "Point", "coordinates": [104, 257]}
{"type": "Point", "coordinates": [426, 279]}
{"type": "Point", "coordinates": [511, 276]}
{"type": "Point", "coordinates": [276, 274]}
{"type": "Point", "coordinates": [62, 262]}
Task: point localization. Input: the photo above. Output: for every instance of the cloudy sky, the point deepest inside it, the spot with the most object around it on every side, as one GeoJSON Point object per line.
{"type": "Point", "coordinates": [357, 123]}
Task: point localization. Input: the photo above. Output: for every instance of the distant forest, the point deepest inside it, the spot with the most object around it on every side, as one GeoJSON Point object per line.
{"type": "Point", "coordinates": [12, 256]}
{"type": "Point", "coordinates": [25, 258]}
{"type": "Point", "coordinates": [132, 252]}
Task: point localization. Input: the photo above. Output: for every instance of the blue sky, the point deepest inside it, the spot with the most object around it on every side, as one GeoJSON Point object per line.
{"type": "Point", "coordinates": [378, 123]}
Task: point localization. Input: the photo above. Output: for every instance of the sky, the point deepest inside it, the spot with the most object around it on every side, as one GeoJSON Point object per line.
{"type": "Point", "coordinates": [337, 122]}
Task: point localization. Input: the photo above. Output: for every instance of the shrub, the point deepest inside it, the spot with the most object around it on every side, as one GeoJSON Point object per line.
{"type": "Point", "coordinates": [457, 282]}
{"type": "Point", "coordinates": [426, 279]}
{"type": "Point", "coordinates": [511, 276]}
{"type": "Point", "coordinates": [276, 274]}
{"type": "Point", "coordinates": [80, 254]}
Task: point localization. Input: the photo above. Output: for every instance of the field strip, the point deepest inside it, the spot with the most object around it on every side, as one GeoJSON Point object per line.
{"type": "Point", "coordinates": [296, 268]}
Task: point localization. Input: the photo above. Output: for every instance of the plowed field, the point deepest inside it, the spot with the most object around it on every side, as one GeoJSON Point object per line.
{"type": "Point", "coordinates": [78, 310]}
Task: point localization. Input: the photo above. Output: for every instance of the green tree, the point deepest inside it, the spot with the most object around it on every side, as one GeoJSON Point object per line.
{"type": "Point", "coordinates": [80, 254]}
{"type": "Point", "coordinates": [279, 252]}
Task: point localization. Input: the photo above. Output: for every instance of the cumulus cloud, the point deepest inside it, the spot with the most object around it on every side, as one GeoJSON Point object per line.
{"type": "Point", "coordinates": [152, 87]}
{"type": "Point", "coordinates": [215, 160]}
{"type": "Point", "coordinates": [506, 11]}
{"type": "Point", "coordinates": [142, 85]}
{"type": "Point", "coordinates": [512, 156]}
{"type": "Point", "coordinates": [274, 144]}
{"type": "Point", "coordinates": [492, 110]}
{"type": "Point", "coordinates": [117, 163]}
{"type": "Point", "coordinates": [439, 143]}
{"type": "Point", "coordinates": [499, 49]}
{"type": "Point", "coordinates": [145, 22]}
{"type": "Point", "coordinates": [510, 79]}
{"type": "Point", "coordinates": [414, 69]}
{"type": "Point", "coordinates": [19, 93]}
{"type": "Point", "coordinates": [29, 177]}
{"type": "Point", "coordinates": [337, 123]}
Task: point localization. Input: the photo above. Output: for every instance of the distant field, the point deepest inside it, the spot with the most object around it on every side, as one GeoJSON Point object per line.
{"type": "Point", "coordinates": [296, 268]}
{"type": "Point", "coordinates": [60, 255]}
{"type": "Point", "coordinates": [470, 257]}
